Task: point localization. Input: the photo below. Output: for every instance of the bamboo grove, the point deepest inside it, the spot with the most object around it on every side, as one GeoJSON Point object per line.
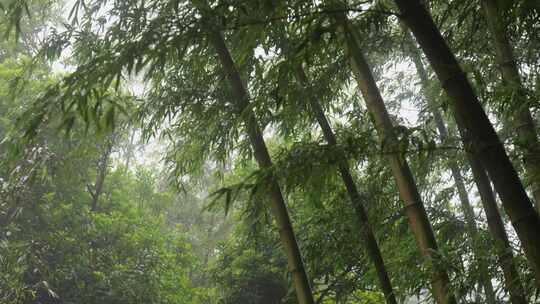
{"type": "Point", "coordinates": [377, 151]}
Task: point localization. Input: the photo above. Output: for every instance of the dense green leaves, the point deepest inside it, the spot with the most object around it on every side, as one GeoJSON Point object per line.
{"type": "Point", "coordinates": [125, 104]}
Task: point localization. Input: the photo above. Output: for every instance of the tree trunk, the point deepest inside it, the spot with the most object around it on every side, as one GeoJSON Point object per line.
{"type": "Point", "coordinates": [102, 166]}
{"type": "Point", "coordinates": [512, 280]}
{"type": "Point", "coordinates": [466, 207]}
{"type": "Point", "coordinates": [277, 202]}
{"type": "Point", "coordinates": [129, 150]}
{"type": "Point", "coordinates": [527, 139]}
{"type": "Point", "coordinates": [468, 212]}
{"type": "Point", "coordinates": [495, 224]}
{"type": "Point", "coordinates": [480, 138]}
{"type": "Point", "coordinates": [357, 200]}
{"type": "Point", "coordinates": [414, 206]}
